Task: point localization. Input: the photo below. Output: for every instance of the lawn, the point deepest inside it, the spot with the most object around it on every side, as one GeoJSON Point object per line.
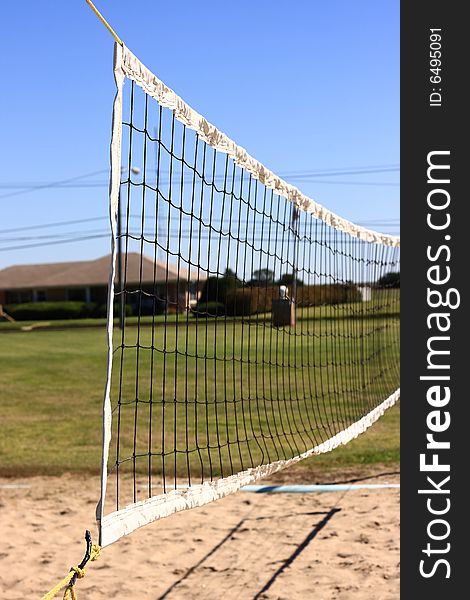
{"type": "Point", "coordinates": [242, 387]}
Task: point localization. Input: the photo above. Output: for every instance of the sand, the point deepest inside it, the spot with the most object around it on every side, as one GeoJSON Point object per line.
{"type": "Point", "coordinates": [341, 545]}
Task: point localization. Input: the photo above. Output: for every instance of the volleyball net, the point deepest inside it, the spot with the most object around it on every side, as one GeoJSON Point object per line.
{"type": "Point", "coordinates": [248, 326]}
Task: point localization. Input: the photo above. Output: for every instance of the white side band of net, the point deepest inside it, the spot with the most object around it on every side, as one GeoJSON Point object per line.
{"type": "Point", "coordinates": [114, 186]}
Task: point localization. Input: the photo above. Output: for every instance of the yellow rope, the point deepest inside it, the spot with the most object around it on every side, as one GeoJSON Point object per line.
{"type": "Point", "coordinates": [105, 23]}
{"type": "Point", "coordinates": [69, 593]}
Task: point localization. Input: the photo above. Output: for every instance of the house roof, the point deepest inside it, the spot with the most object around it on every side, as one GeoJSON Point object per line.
{"type": "Point", "coordinates": [90, 272]}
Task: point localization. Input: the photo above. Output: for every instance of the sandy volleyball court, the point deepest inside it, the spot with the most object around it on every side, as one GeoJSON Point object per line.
{"type": "Point", "coordinates": [342, 545]}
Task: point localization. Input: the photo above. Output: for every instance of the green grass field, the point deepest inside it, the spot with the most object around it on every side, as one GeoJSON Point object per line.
{"type": "Point", "coordinates": [52, 383]}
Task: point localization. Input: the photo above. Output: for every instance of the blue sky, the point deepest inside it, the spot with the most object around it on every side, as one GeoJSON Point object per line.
{"type": "Point", "coordinates": [304, 86]}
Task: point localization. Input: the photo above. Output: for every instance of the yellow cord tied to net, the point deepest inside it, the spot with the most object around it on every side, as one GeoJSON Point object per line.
{"type": "Point", "coordinates": [77, 572]}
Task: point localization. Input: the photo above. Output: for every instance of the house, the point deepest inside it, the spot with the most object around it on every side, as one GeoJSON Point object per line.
{"type": "Point", "coordinates": [171, 285]}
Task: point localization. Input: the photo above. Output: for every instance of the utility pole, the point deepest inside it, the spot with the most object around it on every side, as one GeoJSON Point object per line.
{"type": "Point", "coordinates": [119, 263]}
{"type": "Point", "coordinates": [295, 228]}
{"type": "Point", "coordinates": [122, 305]}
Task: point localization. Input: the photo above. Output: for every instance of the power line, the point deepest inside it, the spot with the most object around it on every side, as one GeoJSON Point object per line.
{"type": "Point", "coordinates": [386, 222]}
{"type": "Point", "coordinates": [302, 175]}
{"type": "Point", "coordinates": [305, 176]}
{"type": "Point", "coordinates": [51, 236]}
{"type": "Point", "coordinates": [52, 184]}
{"type": "Point", "coordinates": [56, 224]}
{"type": "Point", "coordinates": [148, 236]}
{"type": "Point", "coordinates": [362, 183]}
{"type": "Point", "coordinates": [184, 234]}
{"type": "Point", "coordinates": [310, 179]}
{"type": "Point", "coordinates": [78, 239]}
{"type": "Point", "coordinates": [340, 172]}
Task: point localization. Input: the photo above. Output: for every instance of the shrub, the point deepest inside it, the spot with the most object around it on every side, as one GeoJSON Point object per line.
{"type": "Point", "coordinates": [37, 311]}
{"type": "Point", "coordinates": [216, 289]}
{"type": "Point", "coordinates": [390, 280]}
{"type": "Point", "coordinates": [316, 295]}
{"type": "Point", "coordinates": [50, 311]}
{"type": "Point", "coordinates": [147, 306]}
{"type": "Point", "coordinates": [249, 301]}
{"type": "Point", "coordinates": [209, 309]}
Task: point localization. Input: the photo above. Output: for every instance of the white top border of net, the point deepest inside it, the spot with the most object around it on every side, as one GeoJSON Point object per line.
{"type": "Point", "coordinates": [134, 70]}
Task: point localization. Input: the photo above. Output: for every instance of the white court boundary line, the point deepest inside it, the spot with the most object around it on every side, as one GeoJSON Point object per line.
{"type": "Point", "coordinates": [316, 488]}
{"type": "Point", "coordinates": [14, 486]}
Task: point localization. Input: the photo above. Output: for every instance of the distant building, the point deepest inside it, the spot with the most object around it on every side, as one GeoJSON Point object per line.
{"type": "Point", "coordinates": [87, 281]}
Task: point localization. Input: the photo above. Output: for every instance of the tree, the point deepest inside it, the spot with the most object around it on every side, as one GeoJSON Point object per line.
{"type": "Point", "coordinates": [215, 289]}
{"type": "Point", "coordinates": [230, 274]}
{"type": "Point", "coordinates": [262, 276]}
{"type": "Point", "coordinates": [390, 280]}
{"type": "Point", "coordinates": [288, 279]}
